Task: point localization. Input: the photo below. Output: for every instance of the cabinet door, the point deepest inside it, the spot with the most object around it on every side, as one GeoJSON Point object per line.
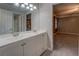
{"type": "Point", "coordinates": [45, 41]}
{"type": "Point", "coordinates": [13, 49]}
{"type": "Point", "coordinates": [33, 46]}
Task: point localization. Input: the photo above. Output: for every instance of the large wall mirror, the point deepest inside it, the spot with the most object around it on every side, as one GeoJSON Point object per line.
{"type": "Point", "coordinates": [17, 17]}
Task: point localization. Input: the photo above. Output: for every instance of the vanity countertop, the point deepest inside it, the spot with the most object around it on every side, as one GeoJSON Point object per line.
{"type": "Point", "coordinates": [9, 38]}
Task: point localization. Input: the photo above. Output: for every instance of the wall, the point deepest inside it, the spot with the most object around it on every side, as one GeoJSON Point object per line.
{"type": "Point", "coordinates": [45, 11]}
{"type": "Point", "coordinates": [69, 24]}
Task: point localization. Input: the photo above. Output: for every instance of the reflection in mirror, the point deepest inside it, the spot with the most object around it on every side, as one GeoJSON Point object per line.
{"type": "Point", "coordinates": [17, 17]}
{"type": "Point", "coordinates": [28, 22]}
{"type": "Point", "coordinates": [16, 23]}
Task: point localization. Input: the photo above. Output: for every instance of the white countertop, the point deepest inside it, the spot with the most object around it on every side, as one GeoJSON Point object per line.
{"type": "Point", "coordinates": [9, 38]}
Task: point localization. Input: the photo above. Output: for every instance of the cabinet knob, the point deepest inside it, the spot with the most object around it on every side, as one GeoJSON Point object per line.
{"type": "Point", "coordinates": [23, 44]}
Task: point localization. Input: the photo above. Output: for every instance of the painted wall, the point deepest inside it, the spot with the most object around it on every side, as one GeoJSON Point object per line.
{"type": "Point", "coordinates": [69, 24]}
{"type": "Point", "coordinates": [45, 11]}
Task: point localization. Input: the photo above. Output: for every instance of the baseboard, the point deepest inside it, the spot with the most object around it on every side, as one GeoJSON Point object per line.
{"type": "Point", "coordinates": [67, 33]}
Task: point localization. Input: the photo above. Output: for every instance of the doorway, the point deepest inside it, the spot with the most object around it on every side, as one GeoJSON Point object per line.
{"type": "Point", "coordinates": [66, 29]}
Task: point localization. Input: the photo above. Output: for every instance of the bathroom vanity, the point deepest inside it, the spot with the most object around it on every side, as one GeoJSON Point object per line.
{"type": "Point", "coordinates": [27, 43]}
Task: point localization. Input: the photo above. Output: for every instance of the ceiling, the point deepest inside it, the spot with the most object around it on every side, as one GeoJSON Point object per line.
{"type": "Point", "coordinates": [66, 8]}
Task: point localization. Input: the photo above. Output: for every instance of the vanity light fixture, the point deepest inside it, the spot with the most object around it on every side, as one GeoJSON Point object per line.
{"type": "Point", "coordinates": [23, 5]}
{"type": "Point", "coordinates": [27, 7]}
{"type": "Point", "coordinates": [17, 4]}
{"type": "Point", "coordinates": [34, 7]}
{"type": "Point", "coordinates": [31, 9]}
{"type": "Point", "coordinates": [30, 5]}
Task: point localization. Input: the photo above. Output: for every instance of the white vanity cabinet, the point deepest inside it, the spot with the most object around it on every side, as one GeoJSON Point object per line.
{"type": "Point", "coordinates": [13, 49]}
{"type": "Point", "coordinates": [44, 41]}
{"type": "Point", "coordinates": [36, 45]}
{"type": "Point", "coordinates": [32, 46]}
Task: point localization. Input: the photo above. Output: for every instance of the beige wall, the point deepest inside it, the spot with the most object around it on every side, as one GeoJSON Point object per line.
{"type": "Point", "coordinates": [69, 24]}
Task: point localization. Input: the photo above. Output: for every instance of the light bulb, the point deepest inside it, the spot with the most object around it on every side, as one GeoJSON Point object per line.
{"type": "Point", "coordinates": [22, 5]}
{"type": "Point", "coordinates": [34, 7]}
{"type": "Point", "coordinates": [30, 5]}
{"type": "Point", "coordinates": [27, 7]}
{"type": "Point", "coordinates": [16, 4]}
{"type": "Point", "coordinates": [31, 9]}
